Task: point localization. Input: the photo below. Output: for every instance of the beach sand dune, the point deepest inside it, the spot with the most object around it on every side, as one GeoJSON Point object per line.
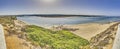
{"type": "Point", "coordinates": [89, 30]}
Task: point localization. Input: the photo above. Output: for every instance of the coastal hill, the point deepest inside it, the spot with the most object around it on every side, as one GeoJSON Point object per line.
{"type": "Point", "coordinates": [20, 35]}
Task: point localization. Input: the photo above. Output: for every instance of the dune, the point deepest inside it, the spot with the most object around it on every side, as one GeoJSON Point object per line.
{"type": "Point", "coordinates": [89, 30]}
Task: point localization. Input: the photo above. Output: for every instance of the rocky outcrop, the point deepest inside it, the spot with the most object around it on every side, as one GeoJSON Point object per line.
{"type": "Point", "coordinates": [104, 38]}
{"type": "Point", "coordinates": [62, 27]}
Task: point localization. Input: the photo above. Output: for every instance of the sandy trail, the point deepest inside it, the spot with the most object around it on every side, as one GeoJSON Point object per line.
{"type": "Point", "coordinates": [89, 30]}
{"type": "Point", "coordinates": [2, 38]}
{"type": "Point", "coordinates": [116, 44]}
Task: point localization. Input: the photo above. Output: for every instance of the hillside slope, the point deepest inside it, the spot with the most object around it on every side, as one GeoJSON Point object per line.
{"type": "Point", "coordinates": [105, 39]}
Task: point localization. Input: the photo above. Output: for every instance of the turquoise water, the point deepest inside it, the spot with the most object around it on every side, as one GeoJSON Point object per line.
{"type": "Point", "coordinates": [66, 20]}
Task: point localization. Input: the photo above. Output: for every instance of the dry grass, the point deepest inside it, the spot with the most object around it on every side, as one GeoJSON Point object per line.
{"type": "Point", "coordinates": [13, 42]}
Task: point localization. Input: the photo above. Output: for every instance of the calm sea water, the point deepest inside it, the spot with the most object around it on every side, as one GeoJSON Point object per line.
{"type": "Point", "coordinates": [66, 20]}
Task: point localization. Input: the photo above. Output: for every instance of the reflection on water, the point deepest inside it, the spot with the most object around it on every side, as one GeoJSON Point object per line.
{"type": "Point", "coordinates": [66, 20]}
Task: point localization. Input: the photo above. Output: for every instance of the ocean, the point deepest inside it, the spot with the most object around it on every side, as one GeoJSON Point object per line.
{"type": "Point", "coordinates": [34, 20]}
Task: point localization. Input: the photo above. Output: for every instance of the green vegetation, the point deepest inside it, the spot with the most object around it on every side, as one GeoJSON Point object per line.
{"type": "Point", "coordinates": [54, 39]}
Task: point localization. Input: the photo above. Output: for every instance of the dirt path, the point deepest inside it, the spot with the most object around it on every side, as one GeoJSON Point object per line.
{"type": "Point", "coordinates": [2, 38]}
{"type": "Point", "coordinates": [116, 44]}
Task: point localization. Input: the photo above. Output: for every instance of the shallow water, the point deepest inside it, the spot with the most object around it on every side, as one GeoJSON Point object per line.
{"type": "Point", "coordinates": [66, 20]}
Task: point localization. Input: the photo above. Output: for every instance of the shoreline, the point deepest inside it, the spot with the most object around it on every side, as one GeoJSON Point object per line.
{"type": "Point", "coordinates": [48, 26]}
{"type": "Point", "coordinates": [85, 30]}
{"type": "Point", "coordinates": [88, 30]}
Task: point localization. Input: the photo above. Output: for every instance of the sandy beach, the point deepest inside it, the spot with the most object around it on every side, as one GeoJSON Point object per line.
{"type": "Point", "coordinates": [88, 30]}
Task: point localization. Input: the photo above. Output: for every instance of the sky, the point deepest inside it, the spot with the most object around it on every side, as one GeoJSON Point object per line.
{"type": "Point", "coordinates": [79, 7]}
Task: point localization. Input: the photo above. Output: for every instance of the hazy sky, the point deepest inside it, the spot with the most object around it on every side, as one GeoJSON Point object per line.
{"type": "Point", "coordinates": [92, 7]}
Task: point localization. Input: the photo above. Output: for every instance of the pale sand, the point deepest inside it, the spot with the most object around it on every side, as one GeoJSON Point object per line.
{"type": "Point", "coordinates": [89, 30]}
